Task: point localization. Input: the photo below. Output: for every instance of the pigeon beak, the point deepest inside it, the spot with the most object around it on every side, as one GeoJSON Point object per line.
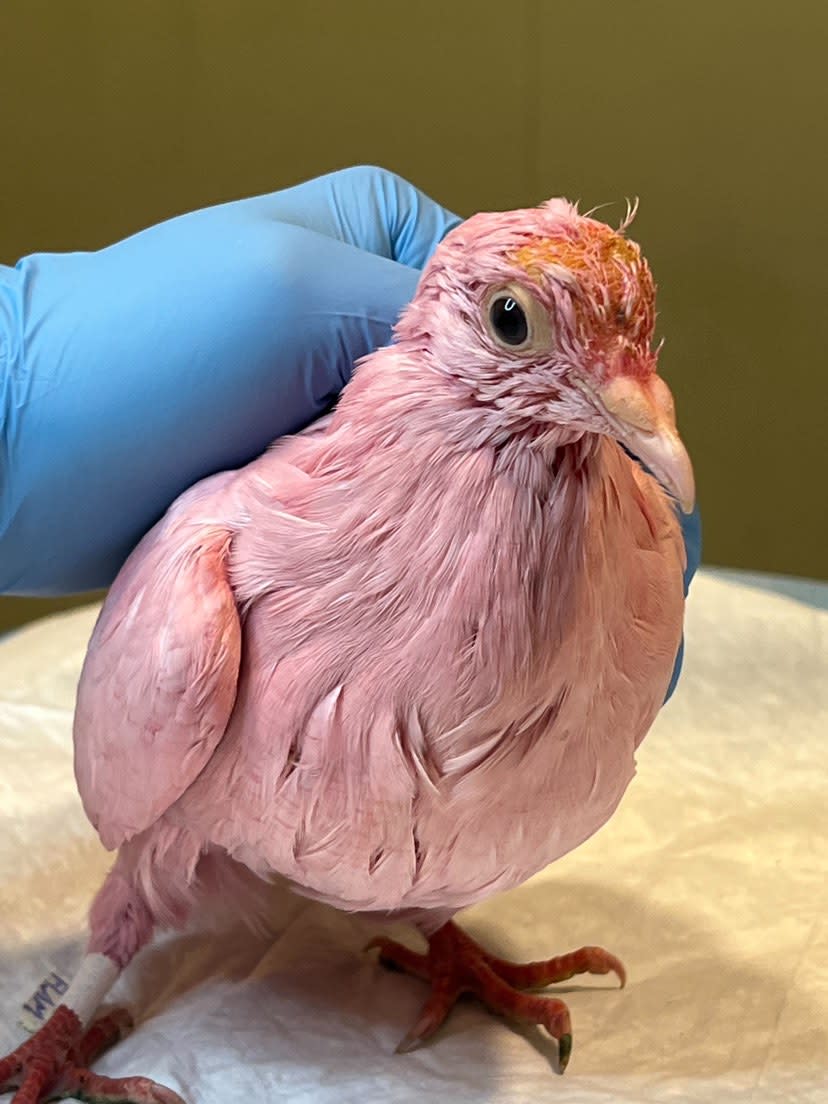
{"type": "Point", "coordinates": [641, 415]}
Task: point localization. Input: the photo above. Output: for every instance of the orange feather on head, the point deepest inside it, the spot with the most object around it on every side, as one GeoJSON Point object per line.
{"type": "Point", "coordinates": [613, 288]}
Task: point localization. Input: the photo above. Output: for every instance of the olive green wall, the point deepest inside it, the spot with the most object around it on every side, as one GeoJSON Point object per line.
{"type": "Point", "coordinates": [114, 115]}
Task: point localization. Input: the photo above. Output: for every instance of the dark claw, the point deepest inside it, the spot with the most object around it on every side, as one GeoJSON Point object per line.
{"type": "Point", "coordinates": [408, 1043]}
{"type": "Point", "coordinates": [564, 1051]}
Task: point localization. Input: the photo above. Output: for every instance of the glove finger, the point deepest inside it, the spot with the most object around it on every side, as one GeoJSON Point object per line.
{"type": "Point", "coordinates": [365, 206]}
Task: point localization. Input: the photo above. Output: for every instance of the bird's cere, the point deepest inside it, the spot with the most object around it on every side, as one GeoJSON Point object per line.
{"type": "Point", "coordinates": [642, 414]}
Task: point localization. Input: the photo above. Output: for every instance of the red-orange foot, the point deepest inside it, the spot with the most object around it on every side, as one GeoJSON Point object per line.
{"type": "Point", "coordinates": [52, 1065]}
{"type": "Point", "coordinates": [455, 964]}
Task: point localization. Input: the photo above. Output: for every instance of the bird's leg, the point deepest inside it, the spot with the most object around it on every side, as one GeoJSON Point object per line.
{"type": "Point", "coordinates": [54, 1062]}
{"type": "Point", "coordinates": [455, 964]}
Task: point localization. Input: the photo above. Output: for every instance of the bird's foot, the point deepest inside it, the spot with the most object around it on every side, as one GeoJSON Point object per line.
{"type": "Point", "coordinates": [53, 1065]}
{"type": "Point", "coordinates": [455, 964]}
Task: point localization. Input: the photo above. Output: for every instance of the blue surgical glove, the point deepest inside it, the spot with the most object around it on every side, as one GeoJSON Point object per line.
{"type": "Point", "coordinates": [129, 373]}
{"type": "Point", "coordinates": [692, 532]}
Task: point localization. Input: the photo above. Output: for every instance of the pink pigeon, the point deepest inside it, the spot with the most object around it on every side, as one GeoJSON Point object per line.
{"type": "Point", "coordinates": [404, 661]}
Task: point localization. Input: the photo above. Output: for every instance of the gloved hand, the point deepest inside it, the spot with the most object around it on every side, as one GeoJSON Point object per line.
{"type": "Point", "coordinates": [692, 532]}
{"type": "Point", "coordinates": [130, 373]}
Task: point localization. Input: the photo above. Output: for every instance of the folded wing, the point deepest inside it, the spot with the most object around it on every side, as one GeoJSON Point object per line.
{"type": "Point", "coordinates": [159, 681]}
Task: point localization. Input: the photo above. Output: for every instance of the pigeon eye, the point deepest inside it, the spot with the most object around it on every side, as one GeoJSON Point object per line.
{"type": "Point", "coordinates": [508, 321]}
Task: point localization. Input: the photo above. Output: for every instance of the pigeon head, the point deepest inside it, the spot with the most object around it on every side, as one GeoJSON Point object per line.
{"type": "Point", "coordinates": [544, 319]}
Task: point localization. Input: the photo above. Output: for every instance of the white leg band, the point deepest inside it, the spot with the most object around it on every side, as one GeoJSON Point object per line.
{"type": "Point", "coordinates": [95, 977]}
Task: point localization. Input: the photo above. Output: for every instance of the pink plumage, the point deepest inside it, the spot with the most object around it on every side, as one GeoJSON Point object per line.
{"type": "Point", "coordinates": [404, 662]}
